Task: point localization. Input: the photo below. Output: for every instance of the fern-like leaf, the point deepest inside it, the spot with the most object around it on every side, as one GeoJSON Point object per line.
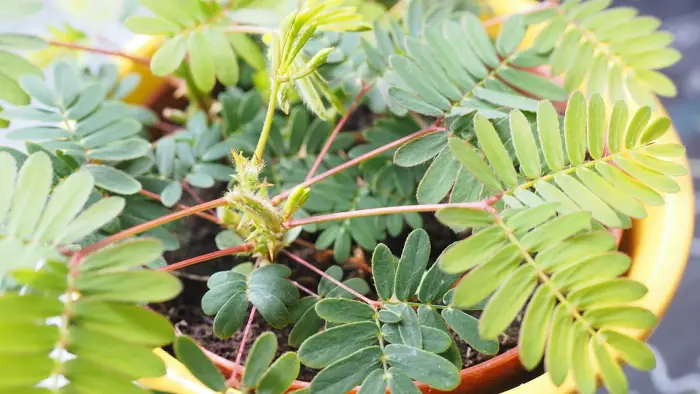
{"type": "Point", "coordinates": [74, 323]}
{"type": "Point", "coordinates": [610, 174]}
{"type": "Point", "coordinates": [455, 69]}
{"type": "Point", "coordinates": [613, 51]}
{"type": "Point", "coordinates": [571, 274]}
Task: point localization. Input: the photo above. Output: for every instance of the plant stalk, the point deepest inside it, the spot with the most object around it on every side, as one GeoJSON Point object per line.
{"type": "Point", "coordinates": [206, 257]}
{"type": "Point", "coordinates": [265, 133]}
{"type": "Point", "coordinates": [136, 59]}
{"type": "Point", "coordinates": [202, 215]}
{"type": "Point", "coordinates": [150, 225]}
{"type": "Point", "coordinates": [330, 278]}
{"type": "Point", "coordinates": [350, 163]}
{"type": "Point", "coordinates": [481, 205]}
{"type": "Point", "coordinates": [336, 130]}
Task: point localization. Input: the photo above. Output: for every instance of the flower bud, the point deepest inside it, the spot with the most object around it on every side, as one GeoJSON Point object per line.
{"type": "Point", "coordinates": [296, 200]}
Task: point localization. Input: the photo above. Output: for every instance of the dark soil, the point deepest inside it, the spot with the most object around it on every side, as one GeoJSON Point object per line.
{"type": "Point", "coordinates": [197, 237]}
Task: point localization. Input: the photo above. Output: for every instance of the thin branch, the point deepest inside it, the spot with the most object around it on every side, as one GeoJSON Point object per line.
{"type": "Point", "coordinates": [330, 278]}
{"type": "Point", "coordinates": [233, 380]}
{"type": "Point", "coordinates": [482, 205]}
{"type": "Point", "coordinates": [350, 163]}
{"type": "Point", "coordinates": [336, 131]}
{"type": "Point", "coordinates": [537, 7]}
{"type": "Point", "coordinates": [303, 288]}
{"type": "Point", "coordinates": [202, 215]}
{"type": "Point", "coordinates": [151, 224]}
{"type": "Point", "coordinates": [186, 186]}
{"type": "Point", "coordinates": [249, 29]}
{"type": "Point", "coordinates": [206, 257]}
{"type": "Point", "coordinates": [136, 59]}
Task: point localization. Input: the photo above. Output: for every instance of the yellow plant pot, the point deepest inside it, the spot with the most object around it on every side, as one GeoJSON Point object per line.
{"type": "Point", "coordinates": [659, 245]}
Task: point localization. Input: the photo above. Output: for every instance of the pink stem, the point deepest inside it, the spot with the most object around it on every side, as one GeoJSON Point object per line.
{"type": "Point", "coordinates": [206, 257]}
{"type": "Point", "coordinates": [330, 278]}
{"type": "Point", "coordinates": [233, 380]}
{"type": "Point", "coordinates": [206, 216]}
{"type": "Point", "coordinates": [482, 205]}
{"type": "Point", "coordinates": [420, 133]}
{"type": "Point", "coordinates": [336, 131]}
{"type": "Point", "coordinates": [303, 288]}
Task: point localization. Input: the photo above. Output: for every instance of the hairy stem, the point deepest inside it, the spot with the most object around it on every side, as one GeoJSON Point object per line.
{"type": "Point", "coordinates": [350, 163]}
{"type": "Point", "coordinates": [336, 130]}
{"type": "Point", "coordinates": [193, 193]}
{"type": "Point", "coordinates": [209, 256]}
{"type": "Point", "coordinates": [330, 278]}
{"type": "Point", "coordinates": [265, 133]}
{"type": "Point", "coordinates": [179, 206]}
{"type": "Point", "coordinates": [150, 225]}
{"type": "Point", "coordinates": [483, 205]}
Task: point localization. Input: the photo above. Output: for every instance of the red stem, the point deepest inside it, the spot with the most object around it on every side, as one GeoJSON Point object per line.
{"type": "Point", "coordinates": [483, 205]}
{"type": "Point", "coordinates": [420, 133]}
{"type": "Point", "coordinates": [330, 278]}
{"type": "Point", "coordinates": [209, 256]}
{"type": "Point", "coordinates": [336, 131]}
{"type": "Point", "coordinates": [137, 59]}
{"type": "Point", "coordinates": [151, 224]}
{"type": "Point", "coordinates": [202, 215]}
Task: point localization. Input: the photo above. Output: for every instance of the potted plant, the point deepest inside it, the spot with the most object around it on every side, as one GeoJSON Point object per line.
{"type": "Point", "coordinates": [477, 197]}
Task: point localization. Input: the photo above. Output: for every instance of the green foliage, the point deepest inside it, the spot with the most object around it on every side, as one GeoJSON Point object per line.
{"type": "Point", "coordinates": [87, 308]}
{"type": "Point", "coordinates": [77, 119]}
{"type": "Point", "coordinates": [582, 171]}
{"type": "Point", "coordinates": [425, 78]}
{"type": "Point", "coordinates": [195, 29]}
{"type": "Point", "coordinates": [184, 156]}
{"type": "Point", "coordinates": [276, 299]}
{"type": "Point", "coordinates": [614, 51]}
{"type": "Point", "coordinates": [415, 344]}
{"type": "Point", "coordinates": [559, 261]}
{"type": "Point", "coordinates": [34, 225]}
{"type": "Point", "coordinates": [292, 70]}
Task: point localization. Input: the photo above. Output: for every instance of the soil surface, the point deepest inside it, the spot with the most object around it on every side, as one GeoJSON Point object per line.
{"type": "Point", "coordinates": [197, 237]}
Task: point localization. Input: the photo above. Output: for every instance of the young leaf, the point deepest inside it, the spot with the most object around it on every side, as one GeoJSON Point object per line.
{"type": "Point", "coordinates": [414, 259]}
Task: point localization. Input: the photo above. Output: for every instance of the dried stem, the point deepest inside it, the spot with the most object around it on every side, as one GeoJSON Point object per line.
{"type": "Point", "coordinates": [202, 215]}
{"type": "Point", "coordinates": [209, 256]}
{"type": "Point", "coordinates": [330, 278]}
{"type": "Point", "coordinates": [482, 205]}
{"type": "Point", "coordinates": [336, 130]}
{"type": "Point", "coordinates": [420, 133]}
{"type": "Point", "coordinates": [151, 224]}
